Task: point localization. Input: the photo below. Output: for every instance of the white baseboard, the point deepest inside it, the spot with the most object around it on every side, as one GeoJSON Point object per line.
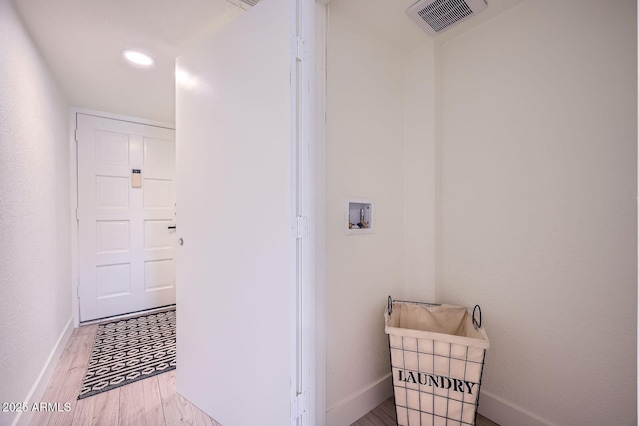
{"type": "Point", "coordinates": [40, 385]}
{"type": "Point", "coordinates": [504, 413]}
{"type": "Point", "coordinates": [357, 405]}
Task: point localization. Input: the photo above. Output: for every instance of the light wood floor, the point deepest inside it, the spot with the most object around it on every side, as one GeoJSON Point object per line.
{"type": "Point", "coordinates": [150, 402]}
{"type": "Point", "coordinates": [385, 415]}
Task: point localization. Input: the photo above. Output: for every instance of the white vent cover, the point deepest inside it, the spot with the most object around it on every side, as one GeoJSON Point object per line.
{"type": "Point", "coordinates": [244, 4]}
{"type": "Point", "coordinates": [435, 16]}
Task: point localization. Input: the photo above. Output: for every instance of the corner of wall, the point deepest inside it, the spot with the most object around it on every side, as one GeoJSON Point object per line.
{"type": "Point", "coordinates": [420, 187]}
{"type": "Point", "coordinates": [437, 169]}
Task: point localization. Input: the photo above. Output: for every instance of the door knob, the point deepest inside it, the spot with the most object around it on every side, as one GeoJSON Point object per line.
{"type": "Point", "coordinates": [180, 241]}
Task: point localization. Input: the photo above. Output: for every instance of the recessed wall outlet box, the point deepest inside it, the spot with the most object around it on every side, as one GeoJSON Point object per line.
{"type": "Point", "coordinates": [359, 217]}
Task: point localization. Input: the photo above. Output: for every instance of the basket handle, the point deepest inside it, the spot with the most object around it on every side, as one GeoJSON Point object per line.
{"type": "Point", "coordinates": [389, 305]}
{"type": "Point", "coordinates": [477, 323]}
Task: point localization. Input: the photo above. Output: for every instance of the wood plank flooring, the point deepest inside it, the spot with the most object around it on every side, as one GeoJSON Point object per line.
{"type": "Point", "coordinates": [149, 402]}
{"type": "Point", "coordinates": [385, 415]}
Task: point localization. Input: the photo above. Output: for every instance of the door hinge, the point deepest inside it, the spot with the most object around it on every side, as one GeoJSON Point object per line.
{"type": "Point", "coordinates": [301, 49]}
{"type": "Point", "coordinates": [77, 216]}
{"type": "Point", "coordinates": [78, 291]}
{"type": "Point", "coordinates": [301, 227]}
{"type": "Point", "coordinates": [75, 135]}
{"type": "Point", "coordinates": [300, 405]}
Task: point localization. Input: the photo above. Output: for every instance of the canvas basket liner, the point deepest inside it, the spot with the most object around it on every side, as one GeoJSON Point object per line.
{"type": "Point", "coordinates": [437, 359]}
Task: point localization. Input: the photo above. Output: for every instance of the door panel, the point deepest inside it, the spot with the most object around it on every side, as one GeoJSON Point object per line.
{"type": "Point", "coordinates": [236, 268]}
{"type": "Point", "coordinates": [126, 249]}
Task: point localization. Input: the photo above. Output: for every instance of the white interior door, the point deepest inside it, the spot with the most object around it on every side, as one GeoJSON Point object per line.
{"type": "Point", "coordinates": [126, 216]}
{"type": "Point", "coordinates": [236, 191]}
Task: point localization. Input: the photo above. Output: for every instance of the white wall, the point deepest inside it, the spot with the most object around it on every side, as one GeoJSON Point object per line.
{"type": "Point", "coordinates": [419, 173]}
{"type": "Point", "coordinates": [380, 144]}
{"type": "Point", "coordinates": [364, 158]}
{"type": "Point", "coordinates": [35, 307]}
{"type": "Point", "coordinates": [538, 205]}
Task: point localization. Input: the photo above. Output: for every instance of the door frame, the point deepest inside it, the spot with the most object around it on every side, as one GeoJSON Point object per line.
{"type": "Point", "coordinates": [73, 186]}
{"type": "Point", "coordinates": [310, 152]}
{"type": "Point", "coordinates": [312, 120]}
{"type": "Point", "coordinates": [316, 32]}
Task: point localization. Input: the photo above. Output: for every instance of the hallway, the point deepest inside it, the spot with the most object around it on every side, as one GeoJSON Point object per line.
{"type": "Point", "coordinates": [151, 401]}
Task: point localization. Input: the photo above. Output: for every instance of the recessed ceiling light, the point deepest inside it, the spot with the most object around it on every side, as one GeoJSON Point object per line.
{"type": "Point", "coordinates": [138, 58]}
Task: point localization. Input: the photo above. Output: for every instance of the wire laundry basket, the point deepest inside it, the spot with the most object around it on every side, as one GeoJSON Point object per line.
{"type": "Point", "coordinates": [437, 359]}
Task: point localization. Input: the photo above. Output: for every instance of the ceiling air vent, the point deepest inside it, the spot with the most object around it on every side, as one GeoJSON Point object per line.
{"type": "Point", "coordinates": [435, 16]}
{"type": "Point", "coordinates": [244, 4]}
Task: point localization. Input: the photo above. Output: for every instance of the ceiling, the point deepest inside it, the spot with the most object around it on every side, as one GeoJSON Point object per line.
{"type": "Point", "coordinates": [82, 42]}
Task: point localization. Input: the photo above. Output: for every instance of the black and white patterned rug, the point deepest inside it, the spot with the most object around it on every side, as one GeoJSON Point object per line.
{"type": "Point", "coordinates": [129, 350]}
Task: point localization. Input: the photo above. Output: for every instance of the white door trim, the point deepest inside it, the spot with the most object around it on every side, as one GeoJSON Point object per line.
{"type": "Point", "coordinates": [317, 76]}
{"type": "Point", "coordinates": [73, 183]}
{"type": "Point", "coordinates": [300, 135]}
{"type": "Point", "coordinates": [310, 154]}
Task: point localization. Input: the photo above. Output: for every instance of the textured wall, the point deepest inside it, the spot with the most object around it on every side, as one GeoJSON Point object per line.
{"type": "Point", "coordinates": [34, 211]}
{"type": "Point", "coordinates": [539, 203]}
